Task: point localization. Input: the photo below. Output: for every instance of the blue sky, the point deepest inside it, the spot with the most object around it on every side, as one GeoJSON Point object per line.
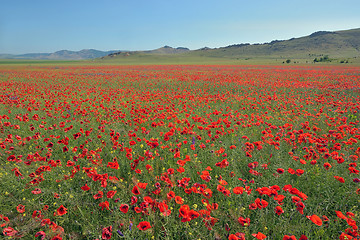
{"type": "Point", "coordinates": [47, 26]}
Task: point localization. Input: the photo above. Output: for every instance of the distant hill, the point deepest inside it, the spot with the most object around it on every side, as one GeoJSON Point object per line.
{"type": "Point", "coordinates": [168, 50]}
{"type": "Point", "coordinates": [159, 51]}
{"type": "Point", "coordinates": [61, 55]}
{"type": "Point", "coordinates": [331, 46]}
{"type": "Point", "coordinates": [339, 44]}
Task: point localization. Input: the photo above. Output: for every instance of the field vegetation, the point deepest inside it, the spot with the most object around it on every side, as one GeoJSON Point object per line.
{"type": "Point", "coordinates": [179, 151]}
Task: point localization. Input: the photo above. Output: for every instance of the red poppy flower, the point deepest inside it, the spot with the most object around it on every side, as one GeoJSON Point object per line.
{"type": "Point", "coordinates": [303, 237]}
{"type": "Point", "coordinates": [37, 214]}
{"type": "Point", "coordinates": [315, 219]}
{"type": "Point", "coordinates": [142, 185]}
{"type": "Point", "coordinates": [135, 190]}
{"type": "Point", "coordinates": [207, 193]}
{"type": "Point", "coordinates": [61, 211]}
{"type": "Point", "coordinates": [133, 200]}
{"type": "Point", "coordinates": [252, 206]}
{"type": "Point", "coordinates": [245, 222]}
{"type": "Point", "coordinates": [124, 208]}
{"type": "Point", "coordinates": [238, 190]}
{"type": "Point", "coordinates": [113, 165]}
{"type": "Point", "coordinates": [9, 231]}
{"type": "Point", "coordinates": [259, 235]}
{"type": "Point", "coordinates": [291, 171]}
{"type": "Point", "coordinates": [353, 170]}
{"type": "Point", "coordinates": [279, 210]}
{"type": "Point", "coordinates": [300, 207]}
{"type": "Point", "coordinates": [42, 234]}
{"type": "Point", "coordinates": [327, 166]}
{"type": "Point", "coordinates": [110, 194]}
{"type": "Point", "coordinates": [85, 188]}
{"type": "Point", "coordinates": [223, 164]}
{"type": "Point", "coordinates": [279, 198]}
{"type": "Point", "coordinates": [287, 237]}
{"type": "Point", "coordinates": [233, 237]}
{"type": "Point", "coordinates": [148, 167]}
{"type": "Point", "coordinates": [179, 200]}
{"type": "Point", "coordinates": [36, 191]}
{"type": "Point", "coordinates": [11, 158]}
{"type": "Point", "coordinates": [345, 236]}
{"type": "Point", "coordinates": [184, 211]}
{"type": "Point", "coordinates": [107, 233]}
{"type": "Point", "coordinates": [299, 172]}
{"type": "Point", "coordinates": [70, 163]}
{"type": "Point", "coordinates": [193, 214]}
{"type": "Point", "coordinates": [144, 225]}
{"type": "Point", "coordinates": [20, 208]}
{"type": "Point", "coordinates": [340, 215]}
{"type": "Point", "coordinates": [65, 149]}
{"type": "Point", "coordinates": [100, 194]}
{"type": "Point", "coordinates": [170, 195]}
{"type": "Point", "coordinates": [104, 205]}
{"type": "Point", "coordinates": [57, 237]}
{"type": "Point", "coordinates": [340, 179]}
{"type": "Point", "coordinates": [260, 203]}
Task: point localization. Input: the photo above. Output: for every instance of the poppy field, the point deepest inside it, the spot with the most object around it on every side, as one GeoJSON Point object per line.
{"type": "Point", "coordinates": [179, 152]}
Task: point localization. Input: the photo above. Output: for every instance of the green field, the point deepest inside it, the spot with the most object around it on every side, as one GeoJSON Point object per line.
{"type": "Point", "coordinates": [179, 59]}
{"type": "Point", "coordinates": [110, 151]}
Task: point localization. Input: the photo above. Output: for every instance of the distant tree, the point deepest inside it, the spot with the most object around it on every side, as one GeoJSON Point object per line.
{"type": "Point", "coordinates": [288, 61]}
{"type": "Point", "coordinates": [323, 59]}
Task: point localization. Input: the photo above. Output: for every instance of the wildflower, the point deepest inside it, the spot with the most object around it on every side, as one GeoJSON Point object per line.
{"type": "Point", "coordinates": [124, 208]}
{"type": "Point", "coordinates": [110, 194]}
{"type": "Point", "coordinates": [315, 219]}
{"type": "Point", "coordinates": [135, 190]}
{"type": "Point", "coordinates": [107, 233]}
{"type": "Point", "coordinates": [245, 222]}
{"type": "Point", "coordinates": [60, 211]}
{"type": "Point", "coordinates": [20, 208]}
{"type": "Point", "coordinates": [279, 210]}
{"type": "Point", "coordinates": [259, 235]}
{"type": "Point", "coordinates": [287, 237]}
{"type": "Point", "coordinates": [104, 205]}
{"type": "Point", "coordinates": [143, 225]}
{"type": "Point", "coordinates": [42, 234]}
{"type": "Point", "coordinates": [85, 188]}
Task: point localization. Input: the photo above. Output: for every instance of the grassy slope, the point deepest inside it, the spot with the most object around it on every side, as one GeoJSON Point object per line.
{"type": "Point", "coordinates": [30, 62]}
{"type": "Point", "coordinates": [341, 45]}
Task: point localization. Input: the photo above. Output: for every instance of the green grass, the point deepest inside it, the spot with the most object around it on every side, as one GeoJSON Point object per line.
{"type": "Point", "coordinates": [35, 62]}
{"type": "Point", "coordinates": [148, 59]}
{"type": "Point", "coordinates": [154, 94]}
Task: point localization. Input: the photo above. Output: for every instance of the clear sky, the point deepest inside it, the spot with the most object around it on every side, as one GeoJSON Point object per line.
{"type": "Point", "coordinates": [28, 26]}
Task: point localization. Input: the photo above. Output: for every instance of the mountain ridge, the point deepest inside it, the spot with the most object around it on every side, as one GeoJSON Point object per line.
{"type": "Point", "coordinates": [336, 44]}
{"type": "Point", "coordinates": [344, 43]}
{"type": "Point", "coordinates": [61, 55]}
